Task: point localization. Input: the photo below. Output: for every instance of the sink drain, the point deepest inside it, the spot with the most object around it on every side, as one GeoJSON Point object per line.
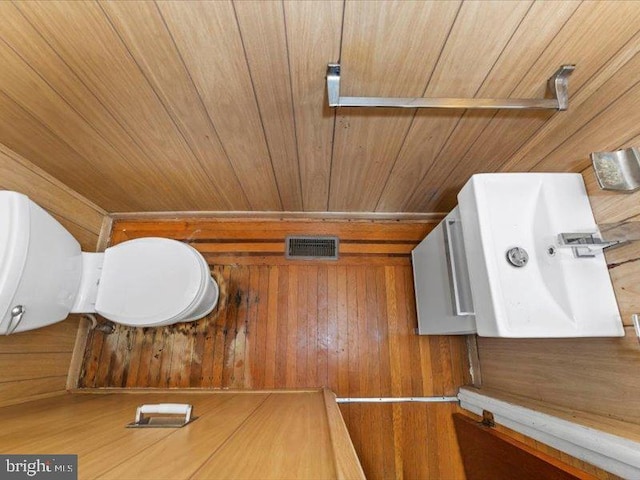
{"type": "Point", "coordinates": [517, 256]}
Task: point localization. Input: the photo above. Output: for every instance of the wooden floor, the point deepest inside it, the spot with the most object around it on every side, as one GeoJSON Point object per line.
{"type": "Point", "coordinates": [347, 325]}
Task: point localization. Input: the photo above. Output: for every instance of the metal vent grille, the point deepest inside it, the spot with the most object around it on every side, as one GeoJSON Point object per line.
{"type": "Point", "coordinates": [311, 248]}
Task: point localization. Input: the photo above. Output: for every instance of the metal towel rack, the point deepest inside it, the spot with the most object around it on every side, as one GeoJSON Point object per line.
{"type": "Point", "coordinates": [557, 87]}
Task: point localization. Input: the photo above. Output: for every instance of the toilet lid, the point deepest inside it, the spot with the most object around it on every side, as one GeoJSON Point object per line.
{"type": "Point", "coordinates": [149, 280]}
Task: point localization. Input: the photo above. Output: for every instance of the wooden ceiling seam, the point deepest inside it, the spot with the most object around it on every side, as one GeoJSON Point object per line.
{"type": "Point", "coordinates": [255, 97]}
{"type": "Point", "coordinates": [385, 61]}
{"type": "Point", "coordinates": [472, 18]}
{"type": "Point", "coordinates": [467, 130]}
{"type": "Point", "coordinates": [130, 103]}
{"type": "Point", "coordinates": [46, 127]}
{"type": "Point", "coordinates": [209, 30]}
{"type": "Point", "coordinates": [70, 104]}
{"type": "Point", "coordinates": [462, 115]}
{"type": "Point", "coordinates": [202, 104]}
{"type": "Point", "coordinates": [585, 133]}
{"type": "Point", "coordinates": [50, 179]}
{"type": "Point", "coordinates": [586, 124]}
{"type": "Point", "coordinates": [293, 110]}
{"type": "Point", "coordinates": [42, 123]}
{"type": "Point", "coordinates": [151, 164]}
{"type": "Point", "coordinates": [523, 76]}
{"type": "Point", "coordinates": [335, 111]}
{"type": "Point", "coordinates": [204, 171]}
{"type": "Point", "coordinates": [415, 112]}
{"type": "Point", "coordinates": [571, 37]}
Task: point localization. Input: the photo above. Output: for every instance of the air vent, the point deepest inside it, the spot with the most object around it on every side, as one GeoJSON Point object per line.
{"type": "Point", "coordinates": [311, 248]}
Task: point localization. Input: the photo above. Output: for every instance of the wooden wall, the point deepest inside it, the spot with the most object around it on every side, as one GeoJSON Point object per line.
{"type": "Point", "coordinates": [221, 105]}
{"type": "Point", "coordinates": [586, 376]}
{"type": "Point", "coordinates": [34, 364]}
{"type": "Point", "coordinates": [236, 435]}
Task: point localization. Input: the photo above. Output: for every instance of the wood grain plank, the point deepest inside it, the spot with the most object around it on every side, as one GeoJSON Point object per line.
{"type": "Point", "coordinates": [312, 325]}
{"type": "Point", "coordinates": [365, 355]}
{"type": "Point", "coordinates": [590, 376]}
{"type": "Point", "coordinates": [58, 337]}
{"type": "Point", "coordinates": [222, 419]}
{"type": "Point", "coordinates": [417, 372]}
{"type": "Point", "coordinates": [346, 460]}
{"type": "Point", "coordinates": [573, 154]}
{"type": "Point", "coordinates": [360, 168]}
{"type": "Point", "coordinates": [141, 27]}
{"type": "Point", "coordinates": [199, 229]}
{"type": "Point", "coordinates": [82, 36]}
{"type": "Point", "coordinates": [292, 321]}
{"type": "Point", "coordinates": [20, 175]}
{"type": "Point", "coordinates": [120, 375]}
{"type": "Point", "coordinates": [313, 37]}
{"type": "Point", "coordinates": [22, 125]}
{"type": "Point", "coordinates": [395, 371]}
{"type": "Point", "coordinates": [303, 307]}
{"type": "Point", "coordinates": [278, 260]}
{"type": "Point", "coordinates": [70, 97]}
{"type": "Point", "coordinates": [223, 360]}
{"type": "Point", "coordinates": [282, 423]}
{"type": "Point", "coordinates": [353, 333]}
{"type": "Point", "coordinates": [342, 340]}
{"type": "Point", "coordinates": [209, 30]}
{"type": "Point", "coordinates": [263, 31]}
{"type": "Point", "coordinates": [404, 330]}
{"type": "Point", "coordinates": [253, 325]}
{"type": "Point", "coordinates": [20, 391]}
{"type": "Point", "coordinates": [322, 354]}
{"type": "Point", "coordinates": [282, 324]}
{"type": "Point", "coordinates": [272, 328]}
{"type": "Point", "coordinates": [23, 366]}
{"type": "Point", "coordinates": [329, 342]}
{"type": "Point", "coordinates": [239, 339]}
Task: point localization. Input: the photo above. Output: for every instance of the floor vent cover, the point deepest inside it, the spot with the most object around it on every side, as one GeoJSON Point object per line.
{"type": "Point", "coordinates": [311, 248]}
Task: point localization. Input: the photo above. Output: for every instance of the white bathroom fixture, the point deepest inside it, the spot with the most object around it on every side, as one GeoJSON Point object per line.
{"type": "Point", "coordinates": [524, 280]}
{"type": "Point", "coordinates": [44, 276]}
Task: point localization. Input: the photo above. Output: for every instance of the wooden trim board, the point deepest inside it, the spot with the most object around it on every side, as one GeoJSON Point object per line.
{"type": "Point", "coordinates": [609, 452]}
{"type": "Point", "coordinates": [432, 217]}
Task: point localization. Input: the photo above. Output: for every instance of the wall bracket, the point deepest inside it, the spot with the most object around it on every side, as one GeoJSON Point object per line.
{"type": "Point", "coordinates": [557, 88]}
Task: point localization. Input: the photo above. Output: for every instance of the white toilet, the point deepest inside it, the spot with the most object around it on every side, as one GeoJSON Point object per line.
{"type": "Point", "coordinates": [44, 276]}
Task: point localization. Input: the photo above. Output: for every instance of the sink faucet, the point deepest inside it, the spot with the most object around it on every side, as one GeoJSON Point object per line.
{"type": "Point", "coordinates": [585, 245]}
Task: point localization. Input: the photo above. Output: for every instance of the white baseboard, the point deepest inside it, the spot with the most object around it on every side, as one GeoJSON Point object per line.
{"type": "Point", "coordinates": [614, 454]}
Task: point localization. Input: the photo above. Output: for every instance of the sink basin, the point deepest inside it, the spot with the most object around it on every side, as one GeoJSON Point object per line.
{"type": "Point", "coordinates": [553, 293]}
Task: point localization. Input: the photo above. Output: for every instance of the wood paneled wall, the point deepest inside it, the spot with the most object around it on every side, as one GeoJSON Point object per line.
{"type": "Point", "coordinates": [594, 376]}
{"type": "Point", "coordinates": [235, 435]}
{"type": "Point", "coordinates": [221, 105]}
{"type": "Point", "coordinates": [34, 364]}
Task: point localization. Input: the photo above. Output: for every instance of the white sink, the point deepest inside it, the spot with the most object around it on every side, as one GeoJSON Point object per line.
{"type": "Point", "coordinates": [555, 294]}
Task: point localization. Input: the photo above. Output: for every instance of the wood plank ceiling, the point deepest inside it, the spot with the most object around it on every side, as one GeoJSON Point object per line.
{"type": "Point", "coordinates": [162, 106]}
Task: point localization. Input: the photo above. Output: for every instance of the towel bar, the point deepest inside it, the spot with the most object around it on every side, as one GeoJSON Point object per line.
{"type": "Point", "coordinates": [557, 86]}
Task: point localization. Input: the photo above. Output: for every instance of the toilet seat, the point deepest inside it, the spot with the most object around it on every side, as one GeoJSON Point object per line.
{"type": "Point", "coordinates": [138, 290]}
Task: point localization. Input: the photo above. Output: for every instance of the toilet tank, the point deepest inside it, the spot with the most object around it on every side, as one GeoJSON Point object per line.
{"type": "Point", "coordinates": [40, 266]}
